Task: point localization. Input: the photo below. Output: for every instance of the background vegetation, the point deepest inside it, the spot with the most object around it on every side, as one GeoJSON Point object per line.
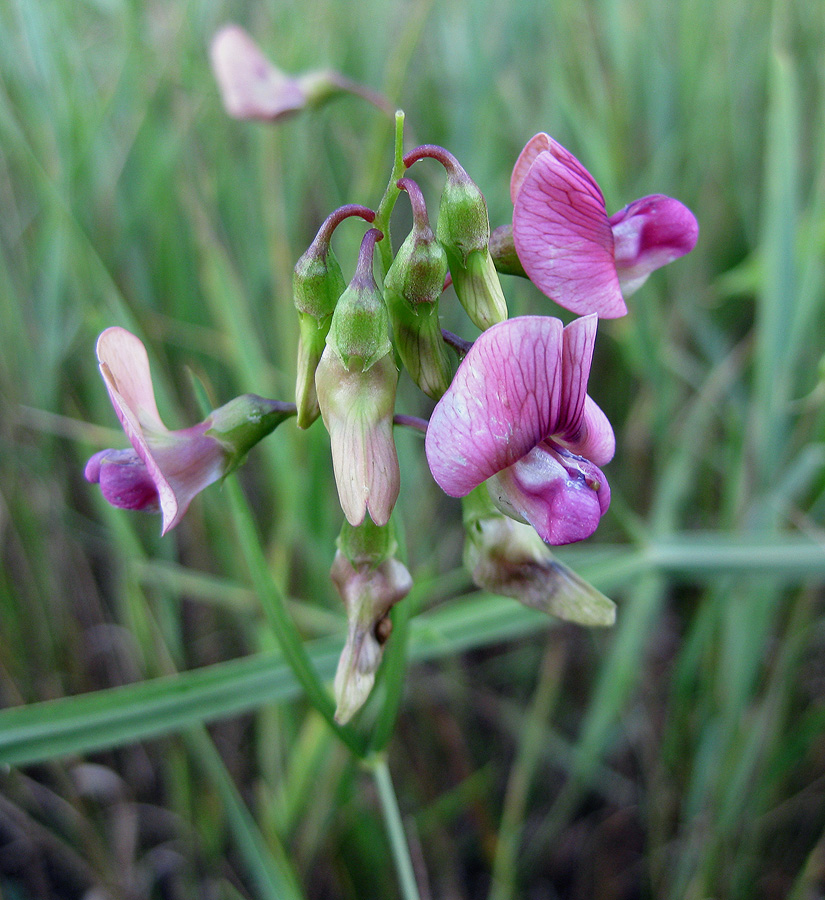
{"type": "Point", "coordinates": [679, 755]}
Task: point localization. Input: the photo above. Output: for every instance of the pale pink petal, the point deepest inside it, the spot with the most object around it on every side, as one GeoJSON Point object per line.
{"type": "Point", "coordinates": [124, 366]}
{"type": "Point", "coordinates": [182, 466]}
{"type": "Point", "coordinates": [648, 234]}
{"type": "Point", "coordinates": [251, 87]}
{"type": "Point", "coordinates": [595, 440]}
{"type": "Point", "coordinates": [504, 399]}
{"type": "Point", "coordinates": [562, 496]}
{"type": "Point", "coordinates": [563, 237]}
{"type": "Point", "coordinates": [357, 409]}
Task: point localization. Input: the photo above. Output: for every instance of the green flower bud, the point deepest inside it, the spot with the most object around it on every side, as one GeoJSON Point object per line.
{"type": "Point", "coordinates": [317, 283]}
{"type": "Point", "coordinates": [359, 332]}
{"type": "Point", "coordinates": [411, 290]}
{"type": "Point", "coordinates": [463, 229]}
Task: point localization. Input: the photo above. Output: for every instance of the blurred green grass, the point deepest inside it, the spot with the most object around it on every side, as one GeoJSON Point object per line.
{"type": "Point", "coordinates": [679, 756]}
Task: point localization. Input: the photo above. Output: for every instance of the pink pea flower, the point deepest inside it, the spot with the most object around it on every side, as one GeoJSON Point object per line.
{"type": "Point", "coordinates": [571, 250]}
{"type": "Point", "coordinates": [163, 470]}
{"type": "Point", "coordinates": [517, 415]}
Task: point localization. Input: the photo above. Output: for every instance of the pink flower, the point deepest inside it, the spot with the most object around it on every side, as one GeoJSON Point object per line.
{"type": "Point", "coordinates": [164, 470]}
{"type": "Point", "coordinates": [571, 250]}
{"type": "Point", "coordinates": [250, 86]}
{"type": "Point", "coordinates": [517, 415]}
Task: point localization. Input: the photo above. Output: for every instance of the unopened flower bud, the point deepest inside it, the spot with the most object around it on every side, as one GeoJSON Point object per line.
{"type": "Point", "coordinates": [411, 289]}
{"type": "Point", "coordinates": [357, 408]}
{"type": "Point", "coordinates": [370, 581]}
{"type": "Point", "coordinates": [317, 283]}
{"type": "Point", "coordinates": [359, 332]}
{"type": "Point", "coordinates": [463, 229]}
{"type": "Point", "coordinates": [509, 558]}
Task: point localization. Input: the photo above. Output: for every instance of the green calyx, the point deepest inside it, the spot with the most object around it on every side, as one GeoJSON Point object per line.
{"type": "Point", "coordinates": [367, 543]}
{"type": "Point", "coordinates": [241, 423]}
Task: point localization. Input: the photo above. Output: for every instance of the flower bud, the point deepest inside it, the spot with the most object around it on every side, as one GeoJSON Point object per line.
{"type": "Point", "coordinates": [411, 290]}
{"type": "Point", "coordinates": [317, 283]}
{"type": "Point", "coordinates": [357, 408]}
{"type": "Point", "coordinates": [359, 332]}
{"type": "Point", "coordinates": [370, 581]}
{"type": "Point", "coordinates": [509, 558]}
{"type": "Point", "coordinates": [463, 229]}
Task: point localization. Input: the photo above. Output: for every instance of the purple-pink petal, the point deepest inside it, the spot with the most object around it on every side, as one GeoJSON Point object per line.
{"type": "Point", "coordinates": [504, 399]}
{"type": "Point", "coordinates": [648, 234]}
{"type": "Point", "coordinates": [561, 495]}
{"type": "Point", "coordinates": [563, 236]}
{"type": "Point", "coordinates": [124, 479]}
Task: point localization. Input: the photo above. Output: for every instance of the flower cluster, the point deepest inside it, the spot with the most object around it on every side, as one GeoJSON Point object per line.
{"type": "Point", "coordinates": [514, 430]}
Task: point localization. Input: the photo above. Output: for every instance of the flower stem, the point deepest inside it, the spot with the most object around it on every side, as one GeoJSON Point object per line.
{"type": "Point", "coordinates": [395, 827]}
{"type": "Point", "coordinates": [385, 207]}
{"type": "Point", "coordinates": [284, 629]}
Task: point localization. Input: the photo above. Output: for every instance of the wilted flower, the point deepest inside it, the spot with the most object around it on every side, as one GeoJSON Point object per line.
{"type": "Point", "coordinates": [165, 469]}
{"type": "Point", "coordinates": [572, 251]}
{"type": "Point", "coordinates": [517, 415]}
{"type": "Point", "coordinates": [369, 591]}
{"type": "Point", "coordinates": [509, 558]}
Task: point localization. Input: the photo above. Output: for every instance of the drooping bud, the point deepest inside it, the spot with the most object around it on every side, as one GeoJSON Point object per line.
{"type": "Point", "coordinates": [411, 289]}
{"type": "Point", "coordinates": [509, 558]}
{"type": "Point", "coordinates": [463, 229]}
{"type": "Point", "coordinates": [359, 332]}
{"type": "Point", "coordinates": [317, 283]}
{"type": "Point", "coordinates": [355, 382]}
{"type": "Point", "coordinates": [370, 581]}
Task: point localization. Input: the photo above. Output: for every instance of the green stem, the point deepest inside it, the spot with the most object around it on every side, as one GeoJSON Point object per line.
{"type": "Point", "coordinates": [283, 627]}
{"type": "Point", "coordinates": [395, 827]}
{"type": "Point", "coordinates": [385, 207]}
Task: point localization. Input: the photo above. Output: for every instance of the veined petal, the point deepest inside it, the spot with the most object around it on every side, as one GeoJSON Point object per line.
{"type": "Point", "coordinates": [578, 339]}
{"type": "Point", "coordinates": [504, 399]}
{"type": "Point", "coordinates": [182, 465]}
{"type": "Point", "coordinates": [563, 237]}
{"type": "Point", "coordinates": [561, 495]}
{"type": "Point", "coordinates": [648, 234]}
{"type": "Point", "coordinates": [539, 143]}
